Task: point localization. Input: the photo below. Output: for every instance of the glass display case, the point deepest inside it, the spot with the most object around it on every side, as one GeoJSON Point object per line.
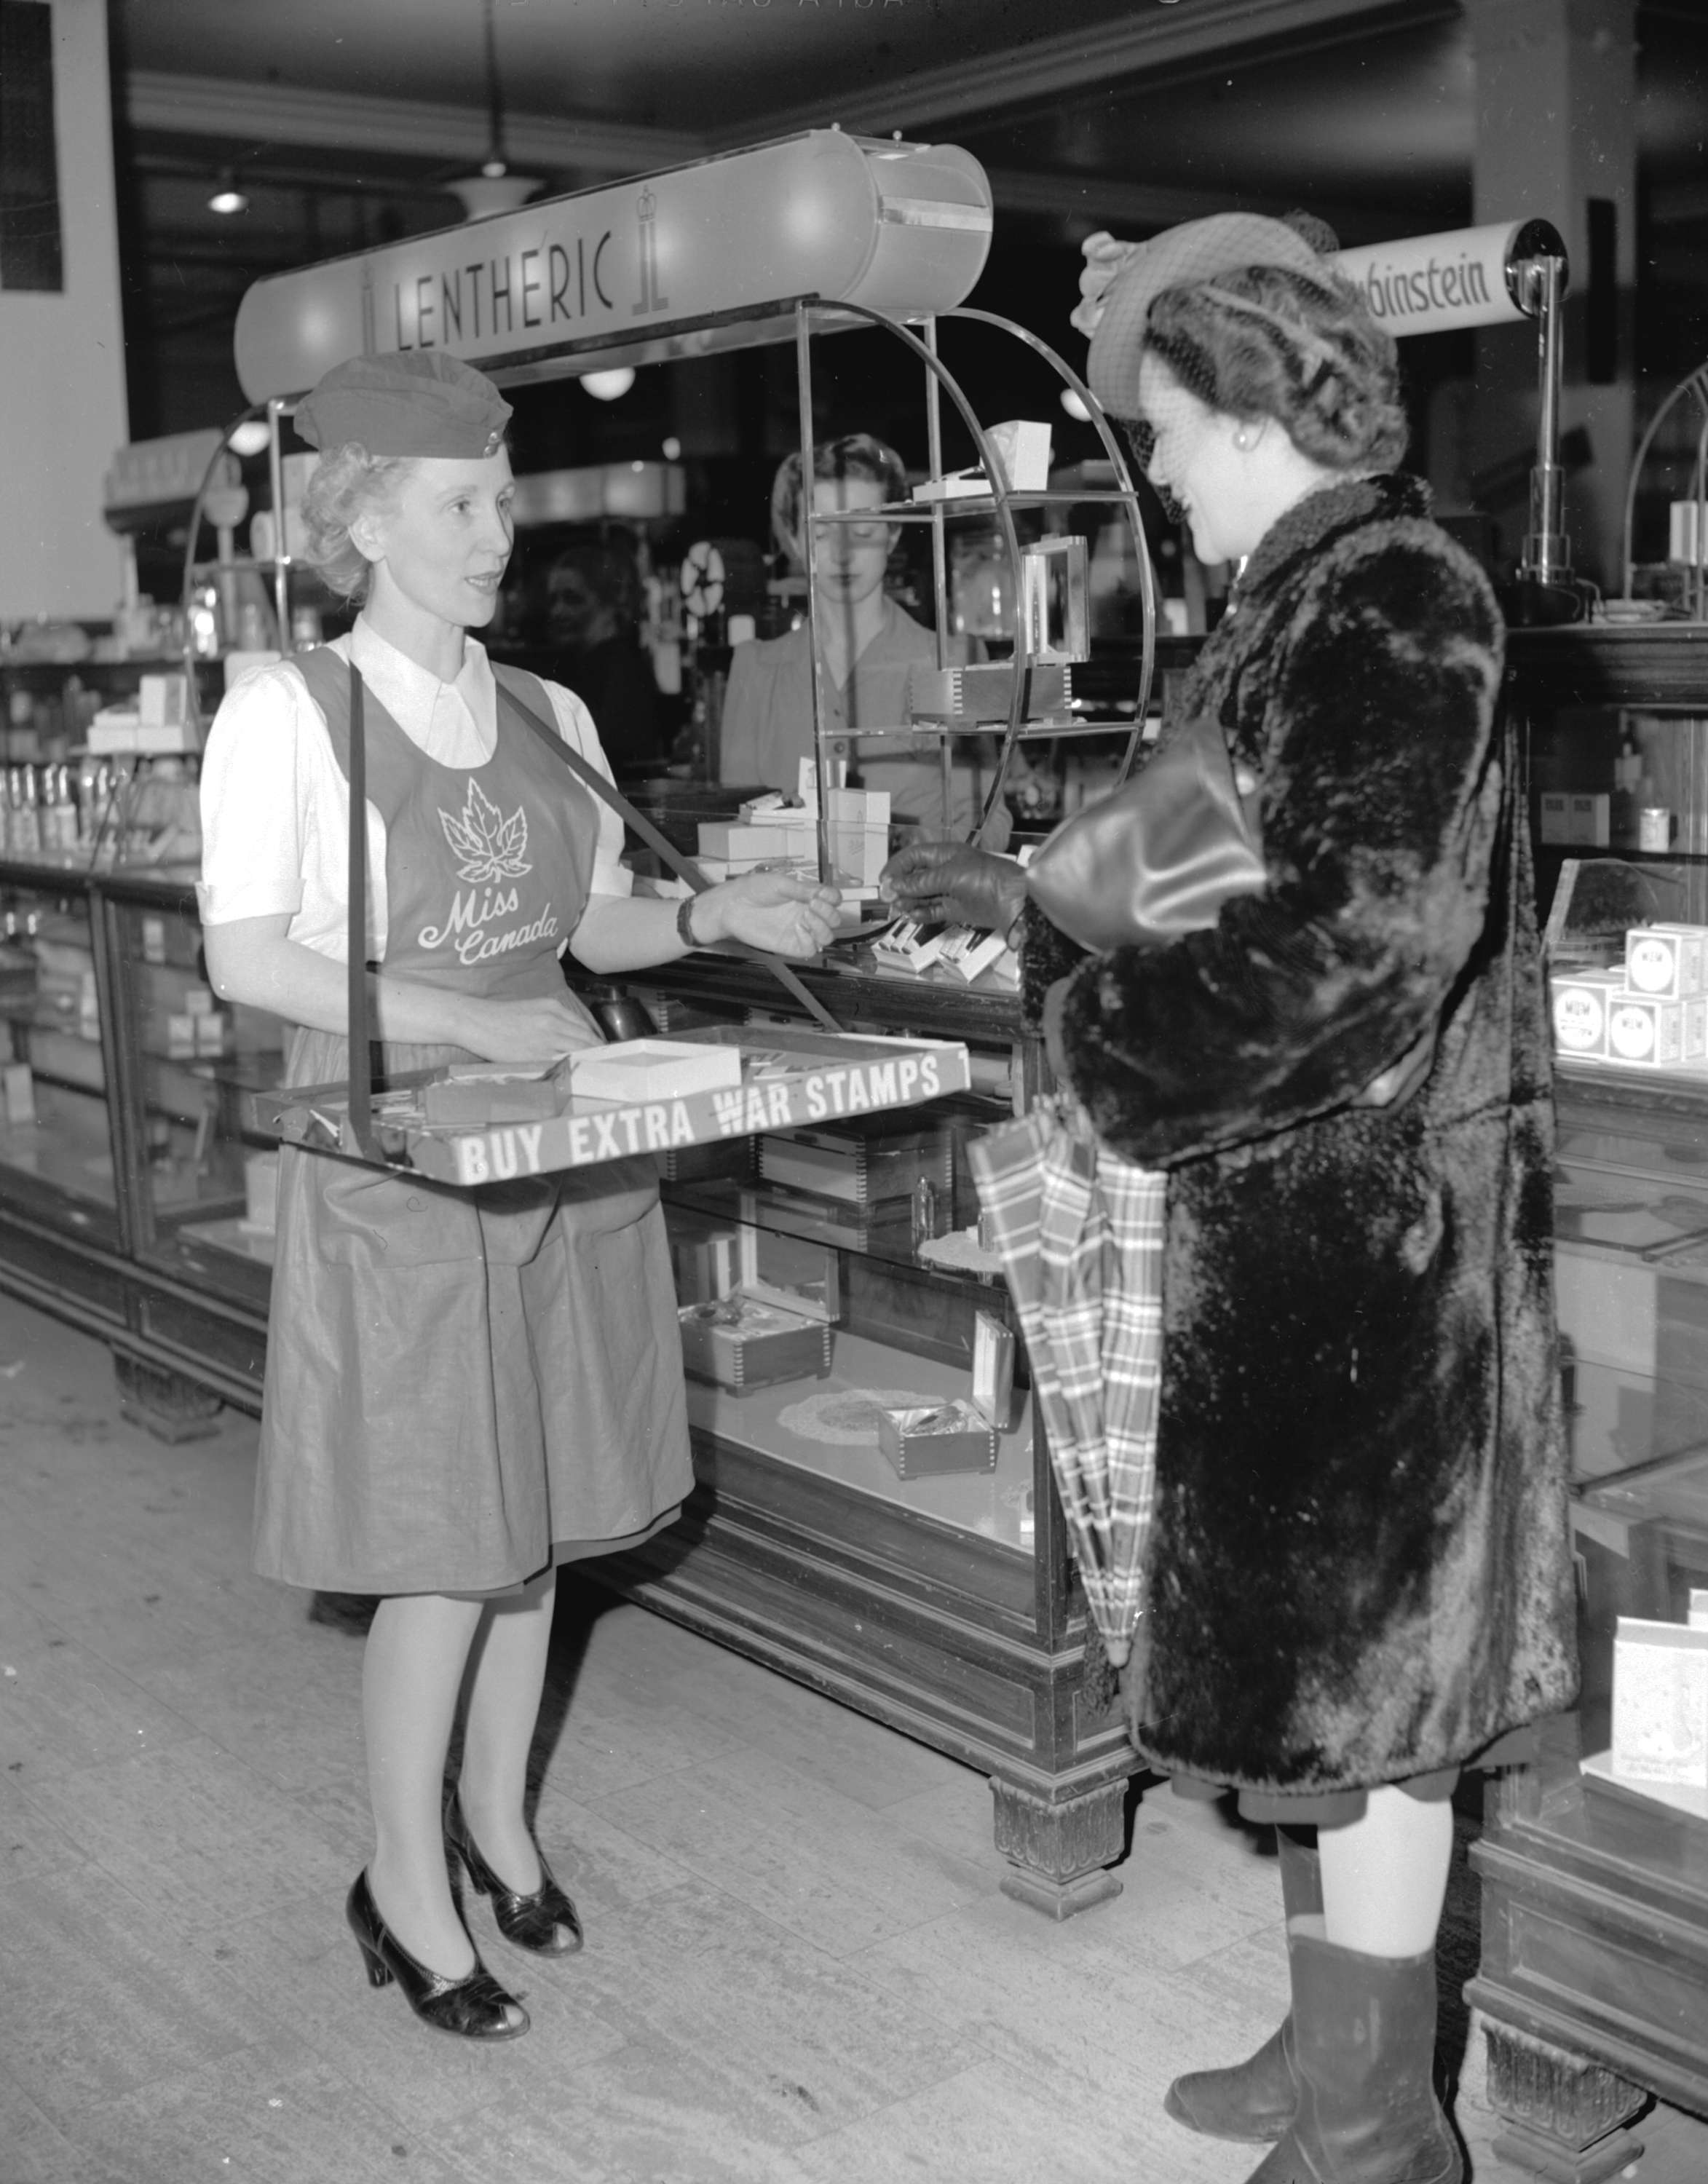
{"type": "Point", "coordinates": [875, 1515]}
{"type": "Point", "coordinates": [1594, 1860]}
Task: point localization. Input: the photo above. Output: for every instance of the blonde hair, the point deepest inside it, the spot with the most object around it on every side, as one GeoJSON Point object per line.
{"type": "Point", "coordinates": [346, 484]}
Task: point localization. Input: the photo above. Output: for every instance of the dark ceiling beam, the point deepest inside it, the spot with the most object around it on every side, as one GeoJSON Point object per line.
{"type": "Point", "coordinates": [1127, 208]}
{"type": "Point", "coordinates": [1149, 43]}
{"type": "Point", "coordinates": [267, 115]}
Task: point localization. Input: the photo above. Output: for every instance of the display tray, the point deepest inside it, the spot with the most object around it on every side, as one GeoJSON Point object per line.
{"type": "Point", "coordinates": [791, 1078]}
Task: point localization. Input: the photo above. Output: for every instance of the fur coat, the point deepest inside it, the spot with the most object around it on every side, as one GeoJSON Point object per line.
{"type": "Point", "coordinates": [1360, 1567]}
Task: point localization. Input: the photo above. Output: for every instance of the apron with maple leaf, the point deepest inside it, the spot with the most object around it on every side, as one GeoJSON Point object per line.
{"type": "Point", "coordinates": [461, 1385]}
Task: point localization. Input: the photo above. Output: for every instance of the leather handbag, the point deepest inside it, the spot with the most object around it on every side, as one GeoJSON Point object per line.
{"type": "Point", "coordinates": [1157, 857]}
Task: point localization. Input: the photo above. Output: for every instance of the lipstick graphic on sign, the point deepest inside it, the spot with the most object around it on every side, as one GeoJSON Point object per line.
{"type": "Point", "coordinates": [651, 300]}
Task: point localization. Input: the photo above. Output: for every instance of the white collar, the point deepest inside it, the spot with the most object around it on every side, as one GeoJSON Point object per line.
{"type": "Point", "coordinates": [405, 688]}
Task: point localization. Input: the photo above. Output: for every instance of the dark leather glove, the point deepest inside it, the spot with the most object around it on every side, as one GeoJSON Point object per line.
{"type": "Point", "coordinates": [953, 883]}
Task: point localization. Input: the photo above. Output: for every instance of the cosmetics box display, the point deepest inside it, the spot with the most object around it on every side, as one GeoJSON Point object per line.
{"type": "Point", "coordinates": [1666, 962]}
{"type": "Point", "coordinates": [1656, 1034]}
{"type": "Point", "coordinates": [861, 1158]}
{"type": "Point", "coordinates": [739, 1343]}
{"type": "Point", "coordinates": [925, 1440]}
{"type": "Point", "coordinates": [1649, 1011]}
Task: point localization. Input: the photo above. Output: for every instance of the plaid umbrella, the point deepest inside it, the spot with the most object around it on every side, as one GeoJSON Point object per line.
{"type": "Point", "coordinates": [1080, 1234]}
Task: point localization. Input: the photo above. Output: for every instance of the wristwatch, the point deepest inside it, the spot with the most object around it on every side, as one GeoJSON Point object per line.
{"type": "Point", "coordinates": [684, 922]}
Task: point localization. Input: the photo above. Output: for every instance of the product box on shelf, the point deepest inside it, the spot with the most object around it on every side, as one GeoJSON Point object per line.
{"type": "Point", "coordinates": [923, 1442]}
{"type": "Point", "coordinates": [1581, 819]}
{"type": "Point", "coordinates": [1667, 961]}
{"type": "Point", "coordinates": [843, 1223]}
{"type": "Point", "coordinates": [1581, 1001]}
{"type": "Point", "coordinates": [1654, 1034]}
{"type": "Point", "coordinates": [795, 1272]}
{"type": "Point", "coordinates": [863, 1158]}
{"type": "Point", "coordinates": [739, 1343]}
{"type": "Point", "coordinates": [705, 1256]}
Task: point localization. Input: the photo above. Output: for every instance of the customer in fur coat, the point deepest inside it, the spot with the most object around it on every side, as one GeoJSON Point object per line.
{"type": "Point", "coordinates": [1358, 1580]}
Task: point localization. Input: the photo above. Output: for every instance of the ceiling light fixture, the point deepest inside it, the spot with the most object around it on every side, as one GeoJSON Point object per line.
{"type": "Point", "coordinates": [494, 189]}
{"type": "Point", "coordinates": [609, 386]}
{"type": "Point", "coordinates": [227, 197]}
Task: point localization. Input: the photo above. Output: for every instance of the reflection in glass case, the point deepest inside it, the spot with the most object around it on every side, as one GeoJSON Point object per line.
{"type": "Point", "coordinates": [207, 1188]}
{"type": "Point", "coordinates": [53, 1118]}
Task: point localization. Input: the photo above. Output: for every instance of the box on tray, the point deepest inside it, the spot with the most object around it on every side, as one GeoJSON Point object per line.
{"type": "Point", "coordinates": [739, 1344]}
{"type": "Point", "coordinates": [861, 1159]}
{"type": "Point", "coordinates": [642, 1069]}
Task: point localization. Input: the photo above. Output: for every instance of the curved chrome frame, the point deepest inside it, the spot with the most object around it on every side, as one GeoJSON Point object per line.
{"type": "Point", "coordinates": [939, 379]}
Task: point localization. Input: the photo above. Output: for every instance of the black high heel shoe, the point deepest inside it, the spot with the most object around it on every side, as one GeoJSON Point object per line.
{"type": "Point", "coordinates": [473, 2006]}
{"type": "Point", "coordinates": [538, 1922]}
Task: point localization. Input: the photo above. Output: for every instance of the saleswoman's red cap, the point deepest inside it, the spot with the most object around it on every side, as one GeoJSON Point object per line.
{"type": "Point", "coordinates": [425, 403]}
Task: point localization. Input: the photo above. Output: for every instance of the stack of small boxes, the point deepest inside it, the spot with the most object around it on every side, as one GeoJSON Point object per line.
{"type": "Point", "coordinates": [767, 831]}
{"type": "Point", "coordinates": [1649, 1012]}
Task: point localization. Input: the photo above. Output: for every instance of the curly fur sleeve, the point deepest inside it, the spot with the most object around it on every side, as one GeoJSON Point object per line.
{"type": "Point", "coordinates": [1377, 703]}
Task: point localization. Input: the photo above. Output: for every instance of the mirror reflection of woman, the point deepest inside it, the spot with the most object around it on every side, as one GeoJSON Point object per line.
{"type": "Point", "coordinates": [463, 1388]}
{"type": "Point", "coordinates": [868, 642]}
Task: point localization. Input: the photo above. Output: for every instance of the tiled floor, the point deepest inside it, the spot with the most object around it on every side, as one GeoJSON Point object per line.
{"type": "Point", "coordinates": [799, 1969]}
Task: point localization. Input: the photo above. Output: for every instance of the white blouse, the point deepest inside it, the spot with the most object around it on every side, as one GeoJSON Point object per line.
{"type": "Point", "coordinates": [275, 807]}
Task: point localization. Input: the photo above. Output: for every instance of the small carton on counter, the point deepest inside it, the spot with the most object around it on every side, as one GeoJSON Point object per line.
{"type": "Point", "coordinates": [1580, 1001]}
{"type": "Point", "coordinates": [970, 951]}
{"type": "Point", "coordinates": [925, 1440]}
{"type": "Point", "coordinates": [1666, 960]}
{"type": "Point", "coordinates": [1659, 1703]}
{"type": "Point", "coordinates": [738, 1343]}
{"type": "Point", "coordinates": [910, 944]}
{"type": "Point", "coordinates": [1656, 1034]}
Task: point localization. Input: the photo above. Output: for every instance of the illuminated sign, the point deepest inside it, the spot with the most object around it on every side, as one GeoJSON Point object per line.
{"type": "Point", "coordinates": [1433, 283]}
{"type": "Point", "coordinates": [592, 276]}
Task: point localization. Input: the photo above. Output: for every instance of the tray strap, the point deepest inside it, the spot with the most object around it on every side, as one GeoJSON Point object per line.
{"type": "Point", "coordinates": [360, 1020]}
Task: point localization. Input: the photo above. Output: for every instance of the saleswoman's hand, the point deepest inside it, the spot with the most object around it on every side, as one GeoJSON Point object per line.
{"type": "Point", "coordinates": [527, 1031]}
{"type": "Point", "coordinates": [773, 910]}
{"type": "Point", "coordinates": [953, 883]}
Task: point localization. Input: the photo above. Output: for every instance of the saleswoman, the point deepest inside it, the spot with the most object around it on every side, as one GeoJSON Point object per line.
{"type": "Point", "coordinates": [462, 1389]}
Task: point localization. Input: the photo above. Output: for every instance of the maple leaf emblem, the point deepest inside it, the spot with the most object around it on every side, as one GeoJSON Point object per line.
{"type": "Point", "coordinates": [491, 846]}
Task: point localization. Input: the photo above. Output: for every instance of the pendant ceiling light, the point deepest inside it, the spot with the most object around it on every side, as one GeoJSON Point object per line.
{"type": "Point", "coordinates": [227, 197]}
{"type": "Point", "coordinates": [494, 189]}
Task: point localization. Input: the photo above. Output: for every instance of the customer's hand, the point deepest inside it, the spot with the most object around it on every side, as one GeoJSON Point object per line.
{"type": "Point", "coordinates": [1104, 258]}
{"type": "Point", "coordinates": [773, 911]}
{"type": "Point", "coordinates": [538, 1030]}
{"type": "Point", "coordinates": [955, 883]}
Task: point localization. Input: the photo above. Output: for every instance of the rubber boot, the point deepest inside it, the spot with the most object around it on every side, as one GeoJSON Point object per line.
{"type": "Point", "coordinates": [1364, 2049]}
{"type": "Point", "coordinates": [1254, 2101]}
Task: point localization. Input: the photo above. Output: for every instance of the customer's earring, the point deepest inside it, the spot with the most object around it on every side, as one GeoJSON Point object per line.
{"type": "Point", "coordinates": [1242, 439]}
